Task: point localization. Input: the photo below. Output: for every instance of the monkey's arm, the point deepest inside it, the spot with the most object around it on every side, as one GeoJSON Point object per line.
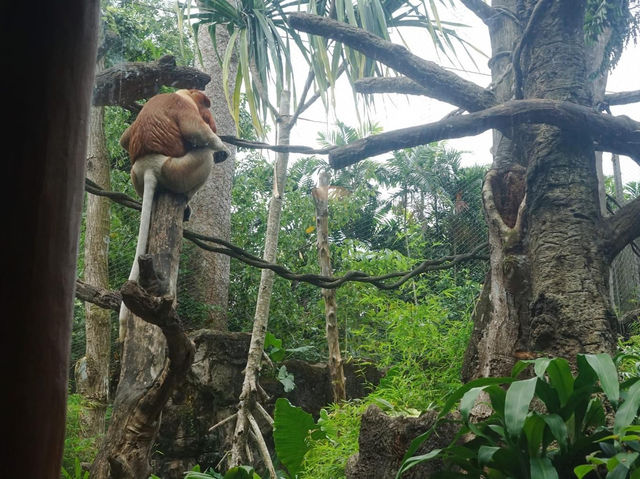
{"type": "Point", "coordinates": [197, 133]}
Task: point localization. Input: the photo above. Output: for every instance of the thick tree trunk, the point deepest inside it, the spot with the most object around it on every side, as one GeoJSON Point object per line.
{"type": "Point", "coordinates": [92, 371]}
{"type": "Point", "coordinates": [211, 207]}
{"type": "Point", "coordinates": [136, 416]}
{"type": "Point", "coordinates": [548, 291]}
{"type": "Point", "coordinates": [336, 372]}
{"type": "Point", "coordinates": [49, 100]}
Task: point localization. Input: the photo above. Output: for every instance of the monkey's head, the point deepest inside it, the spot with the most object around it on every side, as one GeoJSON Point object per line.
{"type": "Point", "coordinates": [203, 103]}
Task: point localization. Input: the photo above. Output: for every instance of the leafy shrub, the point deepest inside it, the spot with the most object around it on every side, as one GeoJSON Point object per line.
{"type": "Point", "coordinates": [555, 439]}
{"type": "Point", "coordinates": [77, 447]}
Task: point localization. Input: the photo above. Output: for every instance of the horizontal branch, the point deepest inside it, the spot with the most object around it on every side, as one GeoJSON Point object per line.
{"type": "Point", "coordinates": [92, 294]}
{"type": "Point", "coordinates": [622, 228]}
{"type": "Point", "coordinates": [622, 98]}
{"type": "Point", "coordinates": [617, 134]}
{"type": "Point", "coordinates": [380, 282]}
{"type": "Point", "coordinates": [258, 145]}
{"type": "Point", "coordinates": [126, 83]}
{"type": "Point", "coordinates": [99, 296]}
{"type": "Point", "coordinates": [401, 85]}
{"type": "Point", "coordinates": [444, 85]}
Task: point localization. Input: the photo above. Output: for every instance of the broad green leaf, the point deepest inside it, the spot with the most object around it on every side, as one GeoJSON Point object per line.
{"type": "Point", "coordinates": [629, 409]}
{"type": "Point", "coordinates": [414, 461]}
{"type": "Point", "coordinates": [604, 367]}
{"type": "Point", "coordinates": [241, 472]}
{"type": "Point", "coordinates": [541, 468]}
{"type": "Point", "coordinates": [497, 396]}
{"type": "Point", "coordinates": [627, 459]}
{"type": "Point", "coordinates": [291, 427]}
{"type": "Point", "coordinates": [286, 379]}
{"type": "Point", "coordinates": [468, 401]}
{"type": "Point", "coordinates": [558, 428]}
{"type": "Point", "coordinates": [560, 378]}
{"type": "Point", "coordinates": [516, 405]}
{"type": "Point", "coordinates": [583, 470]}
{"type": "Point", "coordinates": [534, 431]}
{"type": "Point", "coordinates": [485, 454]}
{"type": "Point", "coordinates": [619, 472]}
{"type": "Point", "coordinates": [548, 395]}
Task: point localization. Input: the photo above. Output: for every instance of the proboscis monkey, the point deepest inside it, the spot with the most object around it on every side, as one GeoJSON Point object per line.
{"type": "Point", "coordinates": [172, 143]}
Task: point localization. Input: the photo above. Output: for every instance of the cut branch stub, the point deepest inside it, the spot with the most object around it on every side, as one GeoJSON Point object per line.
{"type": "Point", "coordinates": [126, 83]}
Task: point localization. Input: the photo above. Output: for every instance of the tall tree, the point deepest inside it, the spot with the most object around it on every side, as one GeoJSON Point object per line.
{"type": "Point", "coordinates": [211, 208]}
{"type": "Point", "coordinates": [93, 369]}
{"type": "Point", "coordinates": [547, 292]}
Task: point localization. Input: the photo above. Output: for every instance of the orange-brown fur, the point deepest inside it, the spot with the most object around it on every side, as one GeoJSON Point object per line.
{"type": "Point", "coordinates": [170, 124]}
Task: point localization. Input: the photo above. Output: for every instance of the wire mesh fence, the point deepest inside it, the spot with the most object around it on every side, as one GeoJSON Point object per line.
{"type": "Point", "coordinates": [374, 229]}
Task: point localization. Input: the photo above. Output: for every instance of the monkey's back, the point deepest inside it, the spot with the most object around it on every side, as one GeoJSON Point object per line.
{"type": "Point", "coordinates": [156, 129]}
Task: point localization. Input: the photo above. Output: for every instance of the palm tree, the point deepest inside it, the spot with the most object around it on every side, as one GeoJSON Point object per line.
{"type": "Point", "coordinates": [262, 38]}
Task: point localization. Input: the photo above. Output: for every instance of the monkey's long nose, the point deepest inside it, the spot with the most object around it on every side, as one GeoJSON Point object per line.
{"type": "Point", "coordinates": [220, 156]}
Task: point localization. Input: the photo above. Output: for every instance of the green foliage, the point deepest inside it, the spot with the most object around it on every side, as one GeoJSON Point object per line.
{"type": "Point", "coordinates": [422, 345]}
{"type": "Point", "coordinates": [77, 447]}
{"type": "Point", "coordinates": [144, 31]}
{"type": "Point", "coordinates": [291, 428]}
{"type": "Point", "coordinates": [239, 472]}
{"type": "Point", "coordinates": [620, 18]}
{"type": "Point", "coordinates": [518, 440]}
{"type": "Point", "coordinates": [77, 472]}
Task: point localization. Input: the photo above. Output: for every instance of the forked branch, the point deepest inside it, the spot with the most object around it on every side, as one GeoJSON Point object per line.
{"type": "Point", "coordinates": [622, 228]}
{"type": "Point", "coordinates": [446, 86]}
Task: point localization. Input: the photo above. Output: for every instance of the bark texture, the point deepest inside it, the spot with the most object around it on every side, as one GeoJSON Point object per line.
{"type": "Point", "coordinates": [321, 198]}
{"type": "Point", "coordinates": [547, 294]}
{"type": "Point", "coordinates": [211, 207]}
{"type": "Point", "coordinates": [250, 391]}
{"type": "Point", "coordinates": [146, 379]}
{"type": "Point", "coordinates": [92, 371]}
{"type": "Point", "coordinates": [126, 83]}
{"type": "Point", "coordinates": [49, 99]}
{"type": "Point", "coordinates": [384, 440]}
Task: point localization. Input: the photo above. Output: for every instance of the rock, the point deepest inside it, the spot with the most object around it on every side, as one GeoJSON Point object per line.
{"type": "Point", "coordinates": [210, 394]}
{"type": "Point", "coordinates": [385, 439]}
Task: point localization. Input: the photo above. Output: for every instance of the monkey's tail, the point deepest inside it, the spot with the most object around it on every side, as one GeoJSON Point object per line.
{"type": "Point", "coordinates": [150, 183]}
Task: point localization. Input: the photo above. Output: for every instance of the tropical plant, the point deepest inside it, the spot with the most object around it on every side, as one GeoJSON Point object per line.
{"type": "Point", "coordinates": [566, 425]}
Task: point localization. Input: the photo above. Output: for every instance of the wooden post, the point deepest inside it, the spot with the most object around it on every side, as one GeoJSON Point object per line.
{"type": "Point", "coordinates": [321, 199]}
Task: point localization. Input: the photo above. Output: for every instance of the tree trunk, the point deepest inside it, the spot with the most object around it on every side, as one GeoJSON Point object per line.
{"type": "Point", "coordinates": [548, 289]}
{"type": "Point", "coordinates": [336, 372]}
{"type": "Point", "coordinates": [49, 100]}
{"type": "Point", "coordinates": [248, 397]}
{"type": "Point", "coordinates": [92, 379]}
{"type": "Point", "coordinates": [211, 207]}
{"type": "Point", "coordinates": [133, 428]}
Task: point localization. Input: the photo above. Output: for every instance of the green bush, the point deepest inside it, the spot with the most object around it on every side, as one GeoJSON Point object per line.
{"type": "Point", "coordinates": [77, 447]}
{"type": "Point", "coordinates": [566, 433]}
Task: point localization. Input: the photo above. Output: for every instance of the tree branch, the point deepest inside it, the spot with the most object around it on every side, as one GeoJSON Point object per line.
{"type": "Point", "coordinates": [618, 134]}
{"type": "Point", "coordinates": [258, 145]}
{"type": "Point", "coordinates": [483, 11]}
{"type": "Point", "coordinates": [622, 228]}
{"type": "Point", "coordinates": [126, 83]}
{"type": "Point", "coordinates": [401, 85]}
{"type": "Point", "coordinates": [445, 86]}
{"type": "Point", "coordinates": [622, 98]}
{"type": "Point", "coordinates": [100, 297]}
